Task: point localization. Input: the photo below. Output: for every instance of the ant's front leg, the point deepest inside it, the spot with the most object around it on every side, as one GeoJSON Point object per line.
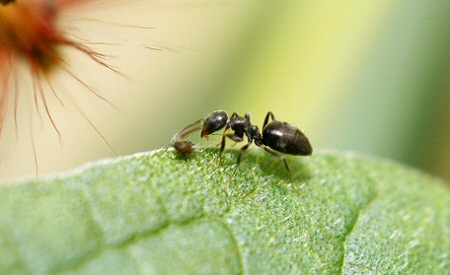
{"type": "Point", "coordinates": [233, 136]}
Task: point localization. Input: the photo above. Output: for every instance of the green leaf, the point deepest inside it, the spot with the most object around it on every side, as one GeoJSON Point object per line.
{"type": "Point", "coordinates": [158, 213]}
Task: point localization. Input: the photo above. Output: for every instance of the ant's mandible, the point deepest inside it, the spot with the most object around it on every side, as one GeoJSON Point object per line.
{"type": "Point", "coordinates": [277, 135]}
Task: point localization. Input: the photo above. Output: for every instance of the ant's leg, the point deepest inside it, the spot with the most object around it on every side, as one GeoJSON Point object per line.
{"type": "Point", "coordinates": [222, 143]}
{"type": "Point", "coordinates": [280, 157]}
{"type": "Point", "coordinates": [245, 147]}
{"type": "Point", "coordinates": [266, 120]}
{"type": "Point", "coordinates": [234, 137]}
{"type": "Point", "coordinates": [230, 136]}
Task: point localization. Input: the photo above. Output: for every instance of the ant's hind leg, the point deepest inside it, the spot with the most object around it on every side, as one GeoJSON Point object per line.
{"type": "Point", "coordinates": [280, 157]}
{"type": "Point", "coordinates": [266, 120]}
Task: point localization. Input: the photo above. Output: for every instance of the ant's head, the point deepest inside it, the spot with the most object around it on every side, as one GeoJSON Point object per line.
{"type": "Point", "coordinates": [214, 122]}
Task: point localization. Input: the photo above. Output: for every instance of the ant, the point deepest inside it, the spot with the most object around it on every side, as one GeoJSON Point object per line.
{"type": "Point", "coordinates": [277, 136]}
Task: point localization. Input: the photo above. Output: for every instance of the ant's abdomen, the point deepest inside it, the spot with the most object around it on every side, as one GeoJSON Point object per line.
{"type": "Point", "coordinates": [284, 137]}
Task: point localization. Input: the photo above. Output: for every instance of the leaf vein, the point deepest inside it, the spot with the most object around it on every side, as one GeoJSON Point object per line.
{"type": "Point", "coordinates": [352, 227]}
{"type": "Point", "coordinates": [238, 249]}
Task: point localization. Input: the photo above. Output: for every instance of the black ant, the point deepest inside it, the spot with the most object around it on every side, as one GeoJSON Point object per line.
{"type": "Point", "coordinates": [276, 135]}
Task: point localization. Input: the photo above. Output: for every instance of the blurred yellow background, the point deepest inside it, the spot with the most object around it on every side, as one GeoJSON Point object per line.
{"type": "Point", "coordinates": [371, 77]}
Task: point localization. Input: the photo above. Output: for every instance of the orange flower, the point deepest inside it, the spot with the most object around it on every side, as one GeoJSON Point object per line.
{"type": "Point", "coordinates": [30, 35]}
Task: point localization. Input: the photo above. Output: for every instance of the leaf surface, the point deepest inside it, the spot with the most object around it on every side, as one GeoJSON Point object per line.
{"type": "Point", "coordinates": [158, 213]}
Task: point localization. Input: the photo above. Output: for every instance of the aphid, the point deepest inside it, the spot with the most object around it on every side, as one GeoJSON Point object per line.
{"type": "Point", "coordinates": [184, 146]}
{"type": "Point", "coordinates": [276, 136]}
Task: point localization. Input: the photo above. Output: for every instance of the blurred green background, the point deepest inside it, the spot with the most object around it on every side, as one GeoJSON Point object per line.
{"type": "Point", "coordinates": [371, 77]}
